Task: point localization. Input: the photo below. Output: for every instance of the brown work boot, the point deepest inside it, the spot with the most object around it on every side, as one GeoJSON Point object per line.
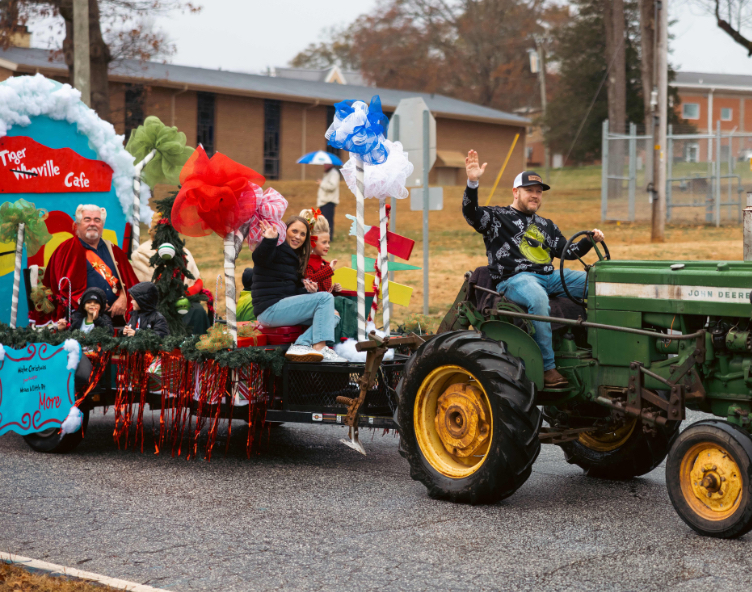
{"type": "Point", "coordinates": [553, 379]}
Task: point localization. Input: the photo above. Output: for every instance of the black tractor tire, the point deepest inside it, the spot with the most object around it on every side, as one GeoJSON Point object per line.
{"type": "Point", "coordinates": [639, 454]}
{"type": "Point", "coordinates": [53, 441]}
{"type": "Point", "coordinates": [723, 452]}
{"type": "Point", "coordinates": [514, 443]}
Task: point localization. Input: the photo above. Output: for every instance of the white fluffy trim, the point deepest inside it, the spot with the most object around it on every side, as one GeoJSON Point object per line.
{"type": "Point", "coordinates": [74, 353]}
{"type": "Point", "coordinates": [73, 422]}
{"type": "Point", "coordinates": [347, 350]}
{"type": "Point", "coordinates": [2, 352]}
{"type": "Point", "coordinates": [24, 97]}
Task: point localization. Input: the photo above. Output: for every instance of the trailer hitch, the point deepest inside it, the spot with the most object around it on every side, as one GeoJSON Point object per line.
{"type": "Point", "coordinates": [375, 348]}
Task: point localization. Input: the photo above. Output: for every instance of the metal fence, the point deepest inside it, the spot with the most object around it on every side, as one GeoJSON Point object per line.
{"type": "Point", "coordinates": [707, 175]}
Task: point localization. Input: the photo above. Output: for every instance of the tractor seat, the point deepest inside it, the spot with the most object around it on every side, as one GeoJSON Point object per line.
{"type": "Point", "coordinates": [484, 302]}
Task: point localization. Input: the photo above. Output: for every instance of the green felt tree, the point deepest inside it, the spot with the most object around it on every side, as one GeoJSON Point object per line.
{"type": "Point", "coordinates": [169, 274]}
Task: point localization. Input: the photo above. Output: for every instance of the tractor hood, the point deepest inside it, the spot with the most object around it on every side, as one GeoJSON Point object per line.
{"type": "Point", "coordinates": [691, 287]}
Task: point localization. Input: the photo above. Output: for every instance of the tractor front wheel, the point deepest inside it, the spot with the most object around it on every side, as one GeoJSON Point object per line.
{"type": "Point", "coordinates": [468, 421]}
{"type": "Point", "coordinates": [708, 476]}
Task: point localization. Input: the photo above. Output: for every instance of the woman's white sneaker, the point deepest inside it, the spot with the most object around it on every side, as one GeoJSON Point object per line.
{"type": "Point", "coordinates": [331, 356]}
{"type": "Point", "coordinates": [304, 353]}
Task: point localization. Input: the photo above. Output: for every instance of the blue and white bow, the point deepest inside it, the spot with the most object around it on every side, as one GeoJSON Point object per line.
{"type": "Point", "coordinates": [360, 129]}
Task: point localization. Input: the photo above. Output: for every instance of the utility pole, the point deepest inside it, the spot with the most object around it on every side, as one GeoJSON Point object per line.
{"type": "Point", "coordinates": [660, 153]}
{"type": "Point", "coordinates": [81, 54]}
{"type": "Point", "coordinates": [541, 65]}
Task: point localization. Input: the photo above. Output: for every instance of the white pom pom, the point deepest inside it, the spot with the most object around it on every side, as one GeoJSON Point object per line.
{"type": "Point", "coordinates": [73, 422]}
{"type": "Point", "coordinates": [2, 352]}
{"type": "Point", "coordinates": [74, 353]}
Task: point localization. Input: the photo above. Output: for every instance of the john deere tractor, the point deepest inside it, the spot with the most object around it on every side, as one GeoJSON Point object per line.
{"type": "Point", "coordinates": [650, 340]}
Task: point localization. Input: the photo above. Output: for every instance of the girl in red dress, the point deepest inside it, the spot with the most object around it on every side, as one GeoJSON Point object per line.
{"type": "Point", "coordinates": [319, 270]}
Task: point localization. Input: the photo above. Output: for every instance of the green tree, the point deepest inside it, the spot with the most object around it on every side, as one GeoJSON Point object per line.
{"type": "Point", "coordinates": [579, 106]}
{"type": "Point", "coordinates": [169, 274]}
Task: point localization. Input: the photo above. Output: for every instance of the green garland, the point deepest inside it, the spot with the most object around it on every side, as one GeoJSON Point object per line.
{"type": "Point", "coordinates": [147, 341]}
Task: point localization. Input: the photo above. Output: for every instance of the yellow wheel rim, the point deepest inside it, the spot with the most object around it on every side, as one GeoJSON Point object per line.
{"type": "Point", "coordinates": [453, 421]}
{"type": "Point", "coordinates": [711, 481]}
{"type": "Point", "coordinates": [608, 441]}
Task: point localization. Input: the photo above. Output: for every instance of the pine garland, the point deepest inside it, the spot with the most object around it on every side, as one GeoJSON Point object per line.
{"type": "Point", "coordinates": [147, 341]}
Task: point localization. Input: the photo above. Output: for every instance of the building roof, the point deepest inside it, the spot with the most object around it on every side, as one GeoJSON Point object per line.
{"type": "Point", "coordinates": [333, 74]}
{"type": "Point", "coordinates": [30, 60]}
{"type": "Point", "coordinates": [705, 80]}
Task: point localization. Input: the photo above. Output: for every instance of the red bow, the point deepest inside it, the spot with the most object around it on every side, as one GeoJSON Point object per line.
{"type": "Point", "coordinates": [216, 194]}
{"type": "Point", "coordinates": [314, 238]}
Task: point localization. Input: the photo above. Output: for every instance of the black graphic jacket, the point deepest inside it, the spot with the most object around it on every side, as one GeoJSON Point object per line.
{"type": "Point", "coordinates": [516, 242]}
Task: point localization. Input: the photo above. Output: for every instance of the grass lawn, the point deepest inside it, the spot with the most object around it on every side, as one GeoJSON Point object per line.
{"type": "Point", "coordinates": [14, 578]}
{"type": "Point", "coordinates": [454, 247]}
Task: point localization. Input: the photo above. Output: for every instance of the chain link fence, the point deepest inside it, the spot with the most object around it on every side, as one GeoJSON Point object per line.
{"type": "Point", "coordinates": [707, 175]}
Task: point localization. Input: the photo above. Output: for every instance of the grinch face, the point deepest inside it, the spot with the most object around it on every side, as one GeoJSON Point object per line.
{"type": "Point", "coordinates": [533, 246]}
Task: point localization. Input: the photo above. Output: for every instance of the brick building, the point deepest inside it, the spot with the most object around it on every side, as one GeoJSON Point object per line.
{"type": "Point", "coordinates": [709, 99]}
{"type": "Point", "coordinates": [268, 122]}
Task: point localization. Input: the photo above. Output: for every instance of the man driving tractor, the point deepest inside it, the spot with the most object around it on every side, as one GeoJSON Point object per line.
{"type": "Point", "coordinates": [520, 246]}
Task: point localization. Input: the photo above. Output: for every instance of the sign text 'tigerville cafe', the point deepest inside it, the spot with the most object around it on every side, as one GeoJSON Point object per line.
{"type": "Point", "coordinates": [26, 166]}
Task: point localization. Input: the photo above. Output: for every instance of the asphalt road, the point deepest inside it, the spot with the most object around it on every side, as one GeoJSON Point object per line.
{"type": "Point", "coordinates": [307, 513]}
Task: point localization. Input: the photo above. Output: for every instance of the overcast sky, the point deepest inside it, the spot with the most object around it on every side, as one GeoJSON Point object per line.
{"type": "Point", "coordinates": [251, 35]}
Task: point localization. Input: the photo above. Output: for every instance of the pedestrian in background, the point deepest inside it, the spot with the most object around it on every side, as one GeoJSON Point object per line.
{"type": "Point", "coordinates": [328, 196]}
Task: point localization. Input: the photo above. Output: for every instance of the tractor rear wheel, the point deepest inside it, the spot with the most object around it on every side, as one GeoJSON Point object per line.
{"type": "Point", "coordinates": [624, 452]}
{"type": "Point", "coordinates": [468, 420]}
{"type": "Point", "coordinates": [708, 476]}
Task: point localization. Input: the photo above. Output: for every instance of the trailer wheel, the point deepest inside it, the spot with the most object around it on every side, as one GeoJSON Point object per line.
{"type": "Point", "coordinates": [708, 476]}
{"type": "Point", "coordinates": [52, 440]}
{"type": "Point", "coordinates": [626, 452]}
{"type": "Point", "coordinates": [468, 420]}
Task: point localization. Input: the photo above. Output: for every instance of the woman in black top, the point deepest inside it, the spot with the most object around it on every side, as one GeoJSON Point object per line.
{"type": "Point", "coordinates": [282, 297]}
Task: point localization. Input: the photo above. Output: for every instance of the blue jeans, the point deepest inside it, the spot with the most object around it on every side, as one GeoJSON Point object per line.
{"type": "Point", "coordinates": [316, 310]}
{"type": "Point", "coordinates": [532, 291]}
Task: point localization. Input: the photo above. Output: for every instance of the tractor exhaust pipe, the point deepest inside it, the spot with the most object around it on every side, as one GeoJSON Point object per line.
{"type": "Point", "coordinates": [747, 223]}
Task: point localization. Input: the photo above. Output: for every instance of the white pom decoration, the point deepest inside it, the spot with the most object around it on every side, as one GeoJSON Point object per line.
{"type": "Point", "coordinates": [166, 251]}
{"type": "Point", "coordinates": [73, 422]}
{"type": "Point", "coordinates": [74, 353]}
{"type": "Point", "coordinates": [383, 180]}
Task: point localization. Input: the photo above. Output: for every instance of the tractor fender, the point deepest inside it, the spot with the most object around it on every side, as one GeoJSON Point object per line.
{"type": "Point", "coordinates": [519, 344]}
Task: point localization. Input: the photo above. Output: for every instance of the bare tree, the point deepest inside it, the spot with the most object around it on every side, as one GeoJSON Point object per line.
{"type": "Point", "coordinates": [118, 29]}
{"type": "Point", "coordinates": [614, 25]}
{"type": "Point", "coordinates": [732, 16]}
{"type": "Point", "coordinates": [647, 40]}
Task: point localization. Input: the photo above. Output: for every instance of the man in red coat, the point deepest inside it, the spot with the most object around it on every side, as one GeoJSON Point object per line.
{"type": "Point", "coordinates": [89, 261]}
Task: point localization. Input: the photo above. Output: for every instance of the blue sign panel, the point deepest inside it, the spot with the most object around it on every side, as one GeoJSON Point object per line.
{"type": "Point", "coordinates": [37, 390]}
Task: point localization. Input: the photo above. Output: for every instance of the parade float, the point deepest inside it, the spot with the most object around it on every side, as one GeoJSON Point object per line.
{"type": "Point", "coordinates": [56, 154]}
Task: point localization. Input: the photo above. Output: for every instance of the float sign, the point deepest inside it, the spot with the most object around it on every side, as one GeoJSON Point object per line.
{"type": "Point", "coordinates": [37, 390]}
{"type": "Point", "coordinates": [26, 166]}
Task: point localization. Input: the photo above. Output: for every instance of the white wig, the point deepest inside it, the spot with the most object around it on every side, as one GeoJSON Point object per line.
{"type": "Point", "coordinates": [89, 208]}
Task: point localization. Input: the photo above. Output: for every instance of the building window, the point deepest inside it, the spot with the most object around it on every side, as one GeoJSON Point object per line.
{"type": "Point", "coordinates": [272, 120]}
{"type": "Point", "coordinates": [692, 152]}
{"type": "Point", "coordinates": [727, 114]}
{"type": "Point", "coordinates": [135, 97]}
{"type": "Point", "coordinates": [205, 123]}
{"type": "Point", "coordinates": [691, 111]}
{"type": "Point", "coordinates": [330, 111]}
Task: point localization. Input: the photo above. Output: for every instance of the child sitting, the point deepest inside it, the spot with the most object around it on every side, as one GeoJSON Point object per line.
{"type": "Point", "coordinates": [245, 300]}
{"type": "Point", "coordinates": [318, 269]}
{"type": "Point", "coordinates": [89, 314]}
{"type": "Point", "coordinates": [145, 298]}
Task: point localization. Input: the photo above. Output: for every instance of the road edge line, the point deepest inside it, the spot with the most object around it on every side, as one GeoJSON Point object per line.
{"type": "Point", "coordinates": [55, 569]}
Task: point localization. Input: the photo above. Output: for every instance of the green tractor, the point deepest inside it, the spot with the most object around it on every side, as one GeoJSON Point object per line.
{"type": "Point", "coordinates": [660, 337]}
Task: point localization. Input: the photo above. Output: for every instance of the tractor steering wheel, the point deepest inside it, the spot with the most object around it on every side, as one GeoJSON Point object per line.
{"type": "Point", "coordinates": [606, 257]}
